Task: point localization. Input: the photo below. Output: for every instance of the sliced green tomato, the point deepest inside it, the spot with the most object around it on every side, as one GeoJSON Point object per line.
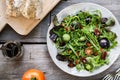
{"type": "Point", "coordinates": [88, 66]}
{"type": "Point", "coordinates": [83, 38]}
{"type": "Point", "coordinates": [66, 37]}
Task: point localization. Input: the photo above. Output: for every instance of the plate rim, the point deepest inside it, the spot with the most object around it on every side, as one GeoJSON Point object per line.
{"type": "Point", "coordinates": [51, 27]}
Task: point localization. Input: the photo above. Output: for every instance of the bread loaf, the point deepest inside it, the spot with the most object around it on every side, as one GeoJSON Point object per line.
{"type": "Point", "coordinates": [27, 8]}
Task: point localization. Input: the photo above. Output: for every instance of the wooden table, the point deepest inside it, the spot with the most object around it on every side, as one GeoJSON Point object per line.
{"type": "Point", "coordinates": [36, 54]}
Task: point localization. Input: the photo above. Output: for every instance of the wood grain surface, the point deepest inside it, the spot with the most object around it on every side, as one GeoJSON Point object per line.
{"type": "Point", "coordinates": [36, 54]}
{"type": "Point", "coordinates": [22, 25]}
{"type": "Point", "coordinates": [38, 34]}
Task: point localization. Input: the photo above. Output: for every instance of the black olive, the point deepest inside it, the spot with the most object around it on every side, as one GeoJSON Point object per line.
{"type": "Point", "coordinates": [104, 20]}
{"type": "Point", "coordinates": [104, 43]}
{"type": "Point", "coordinates": [88, 20]}
{"type": "Point", "coordinates": [62, 43]}
{"type": "Point", "coordinates": [61, 57]}
{"type": "Point", "coordinates": [53, 37]}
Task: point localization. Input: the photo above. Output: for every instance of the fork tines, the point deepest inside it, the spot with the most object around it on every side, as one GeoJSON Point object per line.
{"type": "Point", "coordinates": [117, 76]}
{"type": "Point", "coordinates": [108, 77]}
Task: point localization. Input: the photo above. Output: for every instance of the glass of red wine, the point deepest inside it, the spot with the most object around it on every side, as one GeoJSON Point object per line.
{"type": "Point", "coordinates": [12, 50]}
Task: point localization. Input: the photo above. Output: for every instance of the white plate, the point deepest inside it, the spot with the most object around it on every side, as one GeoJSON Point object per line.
{"type": "Point", "coordinates": [71, 10]}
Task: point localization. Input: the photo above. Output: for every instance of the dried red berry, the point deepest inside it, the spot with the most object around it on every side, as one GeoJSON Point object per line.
{"type": "Point", "coordinates": [88, 44]}
{"type": "Point", "coordinates": [96, 53]}
{"type": "Point", "coordinates": [71, 28]}
{"type": "Point", "coordinates": [76, 62]}
{"type": "Point", "coordinates": [97, 32]}
{"type": "Point", "coordinates": [81, 27]}
{"type": "Point", "coordinates": [83, 60]}
{"type": "Point", "coordinates": [66, 28]}
{"type": "Point", "coordinates": [104, 54]}
{"type": "Point", "coordinates": [71, 65]}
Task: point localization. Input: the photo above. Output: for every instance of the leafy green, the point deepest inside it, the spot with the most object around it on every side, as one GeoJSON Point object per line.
{"type": "Point", "coordinates": [80, 30]}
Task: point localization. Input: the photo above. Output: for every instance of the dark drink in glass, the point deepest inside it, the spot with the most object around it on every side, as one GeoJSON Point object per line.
{"type": "Point", "coordinates": [12, 50]}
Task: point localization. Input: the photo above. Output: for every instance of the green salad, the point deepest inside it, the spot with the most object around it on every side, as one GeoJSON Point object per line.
{"type": "Point", "coordinates": [84, 39]}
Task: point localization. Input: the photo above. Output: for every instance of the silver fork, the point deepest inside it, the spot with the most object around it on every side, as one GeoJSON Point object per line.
{"type": "Point", "coordinates": [118, 70]}
{"type": "Point", "coordinates": [117, 76]}
{"type": "Point", "coordinates": [113, 76]}
{"type": "Point", "coordinates": [108, 77]}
